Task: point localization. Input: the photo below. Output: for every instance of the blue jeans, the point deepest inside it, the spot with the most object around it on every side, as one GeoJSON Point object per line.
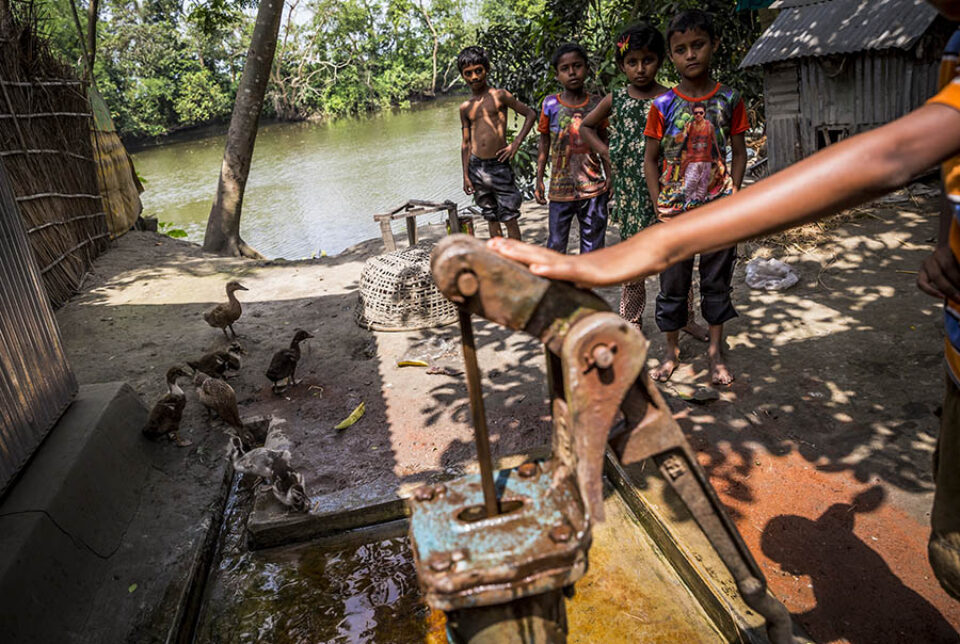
{"type": "Point", "coordinates": [592, 215]}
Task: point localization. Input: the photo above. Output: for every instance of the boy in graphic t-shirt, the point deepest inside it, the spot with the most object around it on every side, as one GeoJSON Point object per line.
{"type": "Point", "coordinates": [577, 185]}
{"type": "Point", "coordinates": [688, 130]}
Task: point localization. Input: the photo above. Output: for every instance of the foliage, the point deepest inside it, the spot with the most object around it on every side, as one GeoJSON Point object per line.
{"type": "Point", "coordinates": [200, 98]}
{"type": "Point", "coordinates": [162, 65]}
{"type": "Point", "coordinates": [170, 230]}
{"type": "Point", "coordinates": [359, 55]}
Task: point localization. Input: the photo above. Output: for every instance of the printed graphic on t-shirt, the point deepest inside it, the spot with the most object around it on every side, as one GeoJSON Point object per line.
{"type": "Point", "coordinates": [575, 171]}
{"type": "Point", "coordinates": [694, 134]}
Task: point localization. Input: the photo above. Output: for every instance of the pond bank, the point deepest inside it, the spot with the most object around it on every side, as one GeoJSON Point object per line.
{"type": "Point", "coordinates": [838, 381]}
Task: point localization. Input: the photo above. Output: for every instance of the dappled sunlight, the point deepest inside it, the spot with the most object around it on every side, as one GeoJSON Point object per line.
{"type": "Point", "coordinates": [843, 370]}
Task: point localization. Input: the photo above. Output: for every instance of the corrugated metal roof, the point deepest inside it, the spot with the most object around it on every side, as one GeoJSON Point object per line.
{"type": "Point", "coordinates": [811, 28]}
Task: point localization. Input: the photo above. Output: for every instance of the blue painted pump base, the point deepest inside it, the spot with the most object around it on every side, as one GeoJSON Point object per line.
{"type": "Point", "coordinates": [537, 544]}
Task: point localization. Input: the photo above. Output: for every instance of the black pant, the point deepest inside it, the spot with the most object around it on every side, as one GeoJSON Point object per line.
{"type": "Point", "coordinates": [716, 274]}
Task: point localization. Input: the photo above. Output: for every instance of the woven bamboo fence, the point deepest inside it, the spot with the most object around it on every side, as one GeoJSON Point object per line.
{"type": "Point", "coordinates": [46, 149]}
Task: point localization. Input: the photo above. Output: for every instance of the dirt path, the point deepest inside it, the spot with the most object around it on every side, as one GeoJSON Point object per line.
{"type": "Point", "coordinates": [821, 448]}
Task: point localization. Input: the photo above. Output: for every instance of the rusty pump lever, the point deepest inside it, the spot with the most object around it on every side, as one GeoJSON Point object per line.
{"type": "Point", "coordinates": [478, 413]}
{"type": "Point", "coordinates": [600, 391]}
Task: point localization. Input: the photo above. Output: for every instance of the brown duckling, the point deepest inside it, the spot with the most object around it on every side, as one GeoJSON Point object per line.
{"type": "Point", "coordinates": [283, 365]}
{"type": "Point", "coordinates": [216, 363]}
{"type": "Point", "coordinates": [213, 364]}
{"type": "Point", "coordinates": [288, 488]}
{"type": "Point", "coordinates": [273, 467]}
{"type": "Point", "coordinates": [232, 356]}
{"type": "Point", "coordinates": [217, 396]}
{"type": "Point", "coordinates": [262, 462]}
{"type": "Point", "coordinates": [224, 315]}
{"type": "Point", "coordinates": [164, 419]}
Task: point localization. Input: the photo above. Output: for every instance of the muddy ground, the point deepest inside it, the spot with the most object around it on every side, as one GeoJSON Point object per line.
{"type": "Point", "coordinates": [821, 448]}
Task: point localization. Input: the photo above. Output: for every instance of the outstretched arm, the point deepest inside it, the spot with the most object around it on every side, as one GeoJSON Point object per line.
{"type": "Point", "coordinates": [843, 175]}
{"type": "Point", "coordinates": [530, 115]}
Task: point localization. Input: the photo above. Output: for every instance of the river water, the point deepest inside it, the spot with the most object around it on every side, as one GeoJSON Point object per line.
{"type": "Point", "coordinates": [313, 187]}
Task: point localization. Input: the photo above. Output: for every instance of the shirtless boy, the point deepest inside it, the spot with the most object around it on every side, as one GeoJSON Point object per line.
{"type": "Point", "coordinates": [487, 174]}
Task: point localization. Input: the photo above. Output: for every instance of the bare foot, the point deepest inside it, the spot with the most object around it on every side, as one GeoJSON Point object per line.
{"type": "Point", "coordinates": [697, 331]}
{"type": "Point", "coordinates": [720, 374]}
{"type": "Point", "coordinates": [668, 364]}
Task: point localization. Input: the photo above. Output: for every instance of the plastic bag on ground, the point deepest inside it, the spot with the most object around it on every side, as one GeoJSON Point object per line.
{"type": "Point", "coordinates": [427, 352]}
{"type": "Point", "coordinates": [770, 275]}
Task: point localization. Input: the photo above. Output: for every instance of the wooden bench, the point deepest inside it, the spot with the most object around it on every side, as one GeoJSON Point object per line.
{"type": "Point", "coordinates": [409, 212]}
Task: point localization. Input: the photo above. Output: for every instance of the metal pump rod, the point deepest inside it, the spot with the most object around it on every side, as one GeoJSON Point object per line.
{"type": "Point", "coordinates": [477, 411]}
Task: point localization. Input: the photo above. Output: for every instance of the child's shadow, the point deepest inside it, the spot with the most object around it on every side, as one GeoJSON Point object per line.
{"type": "Point", "coordinates": [859, 599]}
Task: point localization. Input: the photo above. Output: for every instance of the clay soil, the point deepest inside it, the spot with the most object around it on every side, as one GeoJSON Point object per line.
{"type": "Point", "coordinates": [821, 448]}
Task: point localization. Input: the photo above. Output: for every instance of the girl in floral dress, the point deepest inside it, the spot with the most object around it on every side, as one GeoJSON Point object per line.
{"type": "Point", "coordinates": [640, 50]}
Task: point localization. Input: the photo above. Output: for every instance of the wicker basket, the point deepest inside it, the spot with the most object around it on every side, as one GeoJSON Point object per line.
{"type": "Point", "coordinates": [397, 292]}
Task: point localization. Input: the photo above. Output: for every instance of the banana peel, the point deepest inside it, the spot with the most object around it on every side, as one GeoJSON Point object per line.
{"type": "Point", "coordinates": [354, 416]}
{"type": "Point", "coordinates": [412, 363]}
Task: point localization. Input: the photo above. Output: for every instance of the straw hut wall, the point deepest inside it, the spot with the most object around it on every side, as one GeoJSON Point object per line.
{"type": "Point", "coordinates": [119, 184]}
{"type": "Point", "coordinates": [45, 146]}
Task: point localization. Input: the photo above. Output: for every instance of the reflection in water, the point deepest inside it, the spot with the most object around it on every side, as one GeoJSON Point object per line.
{"type": "Point", "coordinates": [364, 592]}
{"type": "Point", "coordinates": [311, 594]}
{"type": "Point", "coordinates": [313, 186]}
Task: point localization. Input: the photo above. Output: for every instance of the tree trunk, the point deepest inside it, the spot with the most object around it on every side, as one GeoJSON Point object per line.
{"type": "Point", "coordinates": [436, 46]}
{"type": "Point", "coordinates": [93, 14]}
{"type": "Point", "coordinates": [223, 226]}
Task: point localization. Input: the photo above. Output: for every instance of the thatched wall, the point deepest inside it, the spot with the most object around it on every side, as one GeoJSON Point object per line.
{"type": "Point", "coordinates": [45, 146]}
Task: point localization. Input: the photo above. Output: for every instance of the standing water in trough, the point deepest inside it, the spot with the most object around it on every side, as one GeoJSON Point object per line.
{"type": "Point", "coordinates": [360, 591]}
{"type": "Point", "coordinates": [365, 590]}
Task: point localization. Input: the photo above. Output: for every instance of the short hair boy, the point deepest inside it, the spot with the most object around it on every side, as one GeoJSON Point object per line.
{"type": "Point", "coordinates": [688, 130]}
{"type": "Point", "coordinates": [577, 186]}
{"type": "Point", "coordinates": [484, 152]}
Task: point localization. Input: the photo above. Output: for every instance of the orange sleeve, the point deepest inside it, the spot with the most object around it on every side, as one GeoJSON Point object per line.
{"type": "Point", "coordinates": [739, 123]}
{"type": "Point", "coordinates": [654, 127]}
{"type": "Point", "coordinates": [544, 126]}
{"type": "Point", "coordinates": [950, 169]}
{"type": "Point", "coordinates": [949, 95]}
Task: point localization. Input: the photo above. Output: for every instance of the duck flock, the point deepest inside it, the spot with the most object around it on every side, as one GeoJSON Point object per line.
{"type": "Point", "coordinates": [209, 374]}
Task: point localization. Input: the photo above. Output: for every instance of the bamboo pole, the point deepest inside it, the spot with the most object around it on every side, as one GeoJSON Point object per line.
{"type": "Point", "coordinates": [56, 195]}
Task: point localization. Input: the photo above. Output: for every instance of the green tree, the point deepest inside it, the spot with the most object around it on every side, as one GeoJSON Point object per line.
{"type": "Point", "coordinates": [200, 98]}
